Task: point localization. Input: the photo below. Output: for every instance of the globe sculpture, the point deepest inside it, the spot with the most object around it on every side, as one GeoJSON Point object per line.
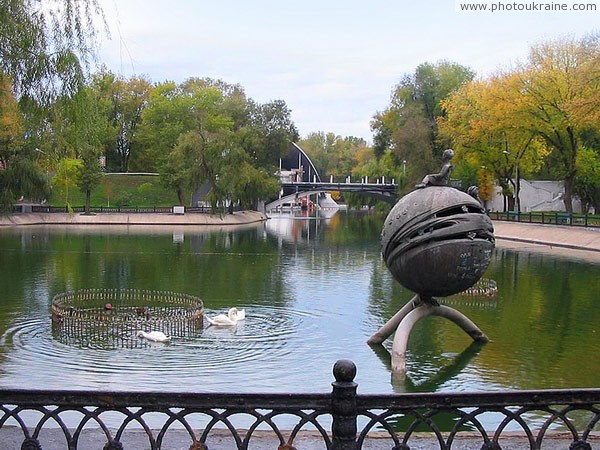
{"type": "Point", "coordinates": [436, 241]}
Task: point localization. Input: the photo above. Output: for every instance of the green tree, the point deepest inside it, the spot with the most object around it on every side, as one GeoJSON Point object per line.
{"type": "Point", "coordinates": [83, 128]}
{"type": "Point", "coordinates": [123, 102]}
{"type": "Point", "coordinates": [206, 131]}
{"type": "Point", "coordinates": [587, 181]}
{"type": "Point", "coordinates": [408, 126]}
{"type": "Point", "coordinates": [333, 155]}
{"type": "Point", "coordinates": [65, 178]}
{"type": "Point", "coordinates": [169, 113]}
{"type": "Point", "coordinates": [273, 130]}
{"type": "Point", "coordinates": [46, 46]}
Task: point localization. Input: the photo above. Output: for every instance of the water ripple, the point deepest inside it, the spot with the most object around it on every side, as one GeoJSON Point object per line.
{"type": "Point", "coordinates": [203, 360]}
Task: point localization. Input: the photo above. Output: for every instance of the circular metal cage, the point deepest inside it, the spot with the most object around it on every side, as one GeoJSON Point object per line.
{"type": "Point", "coordinates": [111, 317]}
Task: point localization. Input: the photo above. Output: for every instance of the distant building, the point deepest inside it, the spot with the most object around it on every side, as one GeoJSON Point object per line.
{"type": "Point", "coordinates": [296, 166]}
{"type": "Point", "coordinates": [536, 196]}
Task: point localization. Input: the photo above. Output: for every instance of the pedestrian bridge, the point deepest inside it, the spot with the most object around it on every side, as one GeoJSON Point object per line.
{"type": "Point", "coordinates": [295, 190]}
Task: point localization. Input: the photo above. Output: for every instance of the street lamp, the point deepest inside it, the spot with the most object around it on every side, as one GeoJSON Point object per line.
{"type": "Point", "coordinates": [404, 168]}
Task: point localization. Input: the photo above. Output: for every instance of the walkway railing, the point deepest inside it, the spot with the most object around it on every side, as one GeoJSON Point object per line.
{"type": "Point", "coordinates": [340, 420]}
{"type": "Point", "coordinates": [117, 209]}
{"type": "Point", "coordinates": [550, 218]}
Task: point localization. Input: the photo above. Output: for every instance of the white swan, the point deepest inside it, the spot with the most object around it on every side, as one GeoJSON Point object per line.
{"type": "Point", "coordinates": [155, 336]}
{"type": "Point", "coordinates": [231, 319]}
{"type": "Point", "coordinates": [240, 314]}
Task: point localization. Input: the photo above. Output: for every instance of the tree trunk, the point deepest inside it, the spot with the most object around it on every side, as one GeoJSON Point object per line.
{"type": "Point", "coordinates": [180, 197]}
{"type": "Point", "coordinates": [568, 197]}
{"type": "Point", "coordinates": [88, 200]}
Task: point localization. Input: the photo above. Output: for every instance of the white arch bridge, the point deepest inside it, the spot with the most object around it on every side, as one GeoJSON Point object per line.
{"type": "Point", "coordinates": [297, 190]}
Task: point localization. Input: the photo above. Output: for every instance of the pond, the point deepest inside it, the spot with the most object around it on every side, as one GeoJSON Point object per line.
{"type": "Point", "coordinates": [314, 290]}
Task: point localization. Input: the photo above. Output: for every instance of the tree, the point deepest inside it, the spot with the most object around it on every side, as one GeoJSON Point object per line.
{"type": "Point", "coordinates": [123, 102]}
{"type": "Point", "coordinates": [82, 129]}
{"type": "Point", "coordinates": [408, 126]}
{"type": "Point", "coordinates": [587, 181]}
{"type": "Point", "coordinates": [45, 46]}
{"type": "Point", "coordinates": [333, 155]}
{"type": "Point", "coordinates": [19, 175]}
{"type": "Point", "coordinates": [559, 86]}
{"type": "Point", "coordinates": [484, 123]}
{"type": "Point", "coordinates": [206, 131]}
{"type": "Point", "coordinates": [268, 132]}
{"type": "Point", "coordinates": [89, 173]}
{"type": "Point", "coordinates": [65, 177]}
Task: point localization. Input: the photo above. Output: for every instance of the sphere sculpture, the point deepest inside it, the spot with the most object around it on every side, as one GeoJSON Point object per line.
{"type": "Point", "coordinates": [437, 241]}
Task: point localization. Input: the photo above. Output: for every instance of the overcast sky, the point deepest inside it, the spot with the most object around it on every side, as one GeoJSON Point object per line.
{"type": "Point", "coordinates": [333, 62]}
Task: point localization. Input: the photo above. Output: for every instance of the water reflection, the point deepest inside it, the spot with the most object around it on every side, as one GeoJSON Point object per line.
{"type": "Point", "coordinates": [314, 291]}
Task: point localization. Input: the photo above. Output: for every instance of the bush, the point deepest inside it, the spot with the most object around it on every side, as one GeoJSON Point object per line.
{"type": "Point", "coordinates": [125, 199]}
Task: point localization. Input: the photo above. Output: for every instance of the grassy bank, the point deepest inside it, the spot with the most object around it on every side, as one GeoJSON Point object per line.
{"type": "Point", "coordinates": [119, 190]}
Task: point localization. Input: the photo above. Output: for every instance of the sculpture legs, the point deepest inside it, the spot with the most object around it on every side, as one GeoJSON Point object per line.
{"type": "Point", "coordinates": [405, 319]}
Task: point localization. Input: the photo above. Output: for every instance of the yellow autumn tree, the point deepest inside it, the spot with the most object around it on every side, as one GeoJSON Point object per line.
{"type": "Point", "coordinates": [19, 176]}
{"type": "Point", "coordinates": [11, 128]}
{"type": "Point", "coordinates": [559, 87]}
{"type": "Point", "coordinates": [483, 122]}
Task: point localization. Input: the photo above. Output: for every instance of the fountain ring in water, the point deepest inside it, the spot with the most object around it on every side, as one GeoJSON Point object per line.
{"type": "Point", "coordinates": [114, 316]}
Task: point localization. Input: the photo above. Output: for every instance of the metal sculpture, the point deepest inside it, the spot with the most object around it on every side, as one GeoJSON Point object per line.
{"type": "Point", "coordinates": [436, 241]}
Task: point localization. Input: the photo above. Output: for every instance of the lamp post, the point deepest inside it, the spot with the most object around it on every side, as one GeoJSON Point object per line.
{"type": "Point", "coordinates": [404, 168]}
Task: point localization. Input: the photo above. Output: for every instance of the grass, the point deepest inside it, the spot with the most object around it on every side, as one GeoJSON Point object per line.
{"type": "Point", "coordinates": [119, 190]}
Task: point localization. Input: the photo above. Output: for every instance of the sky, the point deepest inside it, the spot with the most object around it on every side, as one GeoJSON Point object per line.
{"type": "Point", "coordinates": [334, 63]}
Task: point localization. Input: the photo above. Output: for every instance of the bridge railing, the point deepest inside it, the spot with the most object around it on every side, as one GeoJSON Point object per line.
{"type": "Point", "coordinates": [339, 420]}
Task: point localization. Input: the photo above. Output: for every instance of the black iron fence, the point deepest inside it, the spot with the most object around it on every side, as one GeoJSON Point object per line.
{"type": "Point", "coordinates": [549, 218]}
{"type": "Point", "coordinates": [108, 209]}
{"type": "Point", "coordinates": [340, 420]}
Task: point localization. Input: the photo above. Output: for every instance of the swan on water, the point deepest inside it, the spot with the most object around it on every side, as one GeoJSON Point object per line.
{"type": "Point", "coordinates": [232, 318]}
{"type": "Point", "coordinates": [155, 336]}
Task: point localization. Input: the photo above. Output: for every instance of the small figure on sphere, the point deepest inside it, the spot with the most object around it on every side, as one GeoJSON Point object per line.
{"type": "Point", "coordinates": [443, 177]}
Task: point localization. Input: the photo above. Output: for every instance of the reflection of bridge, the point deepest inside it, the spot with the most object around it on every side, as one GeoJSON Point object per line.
{"type": "Point", "coordinates": [381, 191]}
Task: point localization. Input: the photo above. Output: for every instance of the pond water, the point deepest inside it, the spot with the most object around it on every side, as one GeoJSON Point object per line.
{"type": "Point", "coordinates": [314, 290]}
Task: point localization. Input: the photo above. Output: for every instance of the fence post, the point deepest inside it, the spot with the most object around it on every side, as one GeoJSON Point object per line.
{"type": "Point", "coordinates": [343, 406]}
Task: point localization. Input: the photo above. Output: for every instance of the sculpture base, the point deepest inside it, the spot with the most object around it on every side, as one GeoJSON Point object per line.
{"type": "Point", "coordinates": [405, 319]}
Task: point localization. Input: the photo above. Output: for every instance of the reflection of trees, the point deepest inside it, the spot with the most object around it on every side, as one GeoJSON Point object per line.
{"type": "Point", "coordinates": [226, 265]}
{"type": "Point", "coordinates": [543, 324]}
{"type": "Point", "coordinates": [546, 325]}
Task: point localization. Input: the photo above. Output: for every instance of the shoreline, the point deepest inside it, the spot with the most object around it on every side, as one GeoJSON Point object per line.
{"type": "Point", "coordinates": [561, 239]}
{"type": "Point", "coordinates": [28, 219]}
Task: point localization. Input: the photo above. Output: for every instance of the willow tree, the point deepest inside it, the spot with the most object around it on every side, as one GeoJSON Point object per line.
{"type": "Point", "coordinates": [45, 50]}
{"type": "Point", "coordinates": [46, 46]}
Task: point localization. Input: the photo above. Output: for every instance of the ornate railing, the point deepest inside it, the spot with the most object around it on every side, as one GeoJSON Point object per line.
{"type": "Point", "coordinates": [340, 420]}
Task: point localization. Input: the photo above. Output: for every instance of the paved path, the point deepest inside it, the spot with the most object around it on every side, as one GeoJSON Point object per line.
{"type": "Point", "coordinates": [221, 440]}
{"type": "Point", "coordinates": [553, 235]}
